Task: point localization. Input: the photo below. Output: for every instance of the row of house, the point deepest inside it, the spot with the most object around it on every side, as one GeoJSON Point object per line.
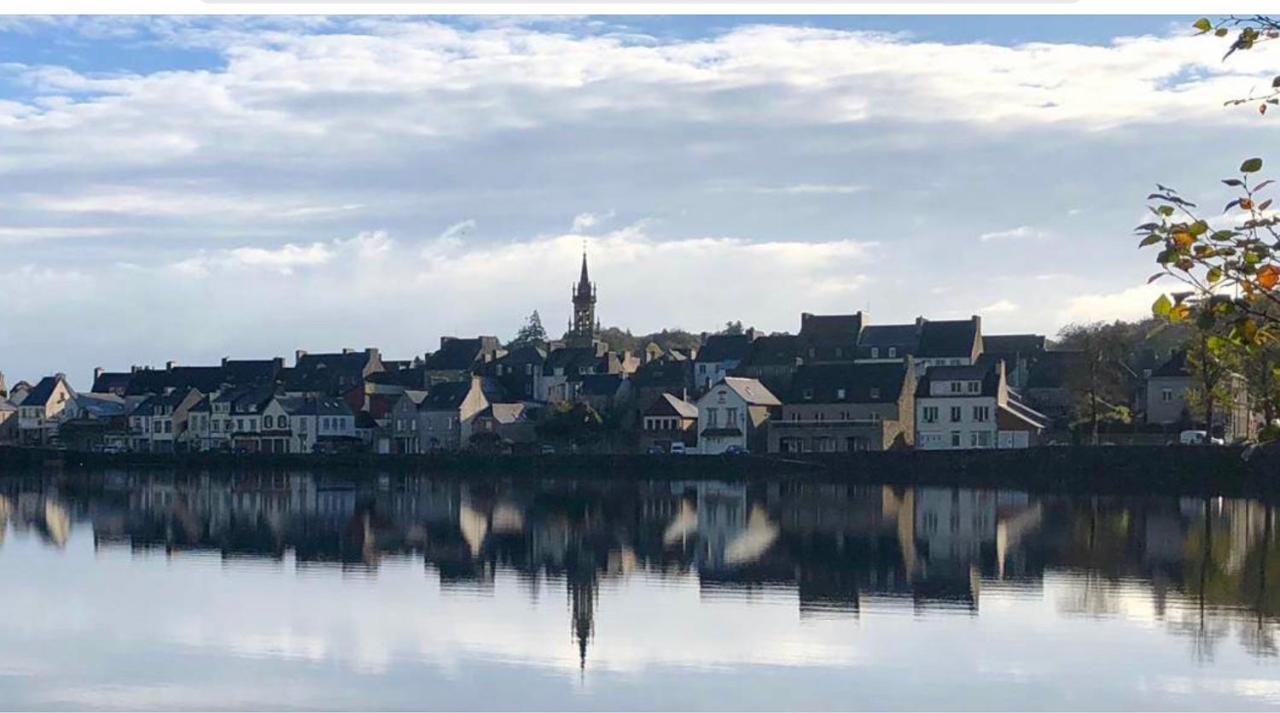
{"type": "Point", "coordinates": [840, 383]}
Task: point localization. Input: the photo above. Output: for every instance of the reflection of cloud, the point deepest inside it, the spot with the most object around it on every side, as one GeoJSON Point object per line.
{"type": "Point", "coordinates": [474, 527]}
{"type": "Point", "coordinates": [683, 526]}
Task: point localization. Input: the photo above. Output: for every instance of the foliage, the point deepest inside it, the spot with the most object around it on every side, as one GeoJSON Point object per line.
{"type": "Point", "coordinates": [733, 328]}
{"type": "Point", "coordinates": [1246, 33]}
{"type": "Point", "coordinates": [532, 334]}
{"type": "Point", "coordinates": [1209, 369]}
{"type": "Point", "coordinates": [577, 423]}
{"type": "Point", "coordinates": [1098, 378]}
{"type": "Point", "coordinates": [620, 340]}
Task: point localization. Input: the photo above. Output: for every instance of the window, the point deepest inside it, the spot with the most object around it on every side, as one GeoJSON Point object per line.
{"type": "Point", "coordinates": [875, 392]}
{"type": "Point", "coordinates": [731, 417]}
{"type": "Point", "coordinates": [982, 414]}
{"type": "Point", "coordinates": [955, 387]}
{"type": "Point", "coordinates": [808, 394]}
{"type": "Point", "coordinates": [930, 414]}
{"type": "Point", "coordinates": [239, 424]}
{"type": "Point", "coordinates": [875, 352]}
{"type": "Point", "coordinates": [712, 417]}
{"type": "Point", "coordinates": [168, 426]}
{"type": "Point", "coordinates": [893, 352]}
{"type": "Point", "coordinates": [955, 439]}
{"type": "Point", "coordinates": [984, 439]}
{"type": "Point", "coordinates": [839, 352]}
{"type": "Point", "coordinates": [702, 369]}
{"type": "Point", "coordinates": [268, 421]}
{"type": "Point", "coordinates": [840, 394]}
{"type": "Point", "coordinates": [955, 414]}
{"type": "Point", "coordinates": [974, 387]}
{"type": "Point", "coordinates": [1166, 395]}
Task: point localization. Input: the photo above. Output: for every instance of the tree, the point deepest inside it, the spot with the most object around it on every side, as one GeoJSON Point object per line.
{"type": "Point", "coordinates": [1209, 369]}
{"type": "Point", "coordinates": [733, 328]}
{"type": "Point", "coordinates": [577, 423]}
{"type": "Point", "coordinates": [1098, 377]}
{"type": "Point", "coordinates": [1249, 32]}
{"type": "Point", "coordinates": [532, 334]}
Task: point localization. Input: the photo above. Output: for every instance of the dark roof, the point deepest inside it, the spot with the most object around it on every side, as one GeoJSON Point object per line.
{"type": "Point", "coordinates": [154, 381]}
{"type": "Point", "coordinates": [40, 393]}
{"type": "Point", "coordinates": [987, 372]}
{"type": "Point", "coordinates": [1175, 366]}
{"type": "Point", "coordinates": [410, 377]}
{"type": "Point", "coordinates": [577, 360]}
{"type": "Point", "coordinates": [948, 338]}
{"type": "Point", "coordinates": [601, 384]}
{"type": "Point", "coordinates": [831, 325]}
{"type": "Point", "coordinates": [246, 372]}
{"type": "Point", "coordinates": [1024, 344]}
{"type": "Point", "coordinates": [664, 373]}
{"type": "Point", "coordinates": [449, 395]}
{"type": "Point", "coordinates": [458, 354]}
{"type": "Point", "coordinates": [905, 337]}
{"type": "Point", "coordinates": [774, 350]}
{"type": "Point", "coordinates": [328, 373]}
{"type": "Point", "coordinates": [862, 383]}
{"type": "Point", "coordinates": [110, 381]}
{"type": "Point", "coordinates": [725, 347]}
{"type": "Point", "coordinates": [671, 405]}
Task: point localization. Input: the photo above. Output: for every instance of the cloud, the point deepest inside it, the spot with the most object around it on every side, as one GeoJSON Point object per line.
{"type": "Point", "coordinates": [1000, 307]}
{"type": "Point", "coordinates": [1131, 303]}
{"type": "Point", "coordinates": [583, 222]}
{"type": "Point", "coordinates": [813, 189]}
{"type": "Point", "coordinates": [1022, 232]}
{"type": "Point", "coordinates": [13, 235]}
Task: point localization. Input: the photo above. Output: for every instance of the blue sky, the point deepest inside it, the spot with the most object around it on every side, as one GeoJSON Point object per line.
{"type": "Point", "coordinates": [240, 187]}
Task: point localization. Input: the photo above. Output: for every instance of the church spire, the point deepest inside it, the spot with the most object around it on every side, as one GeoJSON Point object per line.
{"type": "Point", "coordinates": [584, 282]}
{"type": "Point", "coordinates": [583, 329]}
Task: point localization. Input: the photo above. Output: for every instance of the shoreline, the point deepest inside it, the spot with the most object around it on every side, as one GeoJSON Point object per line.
{"type": "Point", "coordinates": [1120, 470]}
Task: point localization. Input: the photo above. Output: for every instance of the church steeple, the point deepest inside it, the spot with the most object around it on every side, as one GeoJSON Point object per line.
{"type": "Point", "coordinates": [583, 329]}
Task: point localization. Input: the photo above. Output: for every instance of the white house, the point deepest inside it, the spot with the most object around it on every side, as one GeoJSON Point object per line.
{"type": "Point", "coordinates": [735, 412]}
{"type": "Point", "coordinates": [960, 407]}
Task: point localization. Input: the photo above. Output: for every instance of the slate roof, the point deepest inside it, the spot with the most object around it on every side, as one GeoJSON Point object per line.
{"type": "Point", "coordinates": [664, 373]}
{"type": "Point", "coordinates": [601, 384]}
{"type": "Point", "coordinates": [111, 381]}
{"type": "Point", "coordinates": [774, 350]}
{"type": "Point", "coordinates": [905, 337]}
{"type": "Point", "coordinates": [508, 413]}
{"type": "Point", "coordinates": [671, 405]}
{"type": "Point", "coordinates": [988, 373]}
{"type": "Point", "coordinates": [576, 360]}
{"type": "Point", "coordinates": [456, 354]}
{"type": "Point", "coordinates": [1176, 366]}
{"type": "Point", "coordinates": [448, 396]}
{"type": "Point", "coordinates": [100, 405]}
{"type": "Point", "coordinates": [328, 373]}
{"type": "Point", "coordinates": [311, 406]}
{"type": "Point", "coordinates": [752, 391]}
{"type": "Point", "coordinates": [725, 347]}
{"type": "Point", "coordinates": [1024, 344]}
{"type": "Point", "coordinates": [206, 379]}
{"type": "Point", "coordinates": [838, 326]}
{"type": "Point", "coordinates": [862, 383]}
{"type": "Point", "coordinates": [948, 338]}
{"type": "Point", "coordinates": [40, 393]}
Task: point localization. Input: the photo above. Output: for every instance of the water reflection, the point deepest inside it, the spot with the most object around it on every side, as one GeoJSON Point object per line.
{"type": "Point", "coordinates": [1205, 569]}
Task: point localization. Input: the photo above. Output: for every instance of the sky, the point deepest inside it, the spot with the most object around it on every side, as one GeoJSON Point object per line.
{"type": "Point", "coordinates": [191, 188]}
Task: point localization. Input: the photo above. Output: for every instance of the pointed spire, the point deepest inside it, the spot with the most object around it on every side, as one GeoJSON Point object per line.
{"type": "Point", "coordinates": [584, 281]}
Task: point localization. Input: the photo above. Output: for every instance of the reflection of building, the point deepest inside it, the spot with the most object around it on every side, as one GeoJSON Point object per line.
{"type": "Point", "coordinates": [836, 547]}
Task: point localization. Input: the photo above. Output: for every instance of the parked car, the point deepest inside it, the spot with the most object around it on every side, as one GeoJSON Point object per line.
{"type": "Point", "coordinates": [547, 449]}
{"type": "Point", "coordinates": [1199, 438]}
{"type": "Point", "coordinates": [736, 451]}
{"type": "Point", "coordinates": [654, 450]}
{"type": "Point", "coordinates": [677, 449]}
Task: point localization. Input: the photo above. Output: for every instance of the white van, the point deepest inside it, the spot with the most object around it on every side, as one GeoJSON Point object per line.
{"type": "Point", "coordinates": [677, 448]}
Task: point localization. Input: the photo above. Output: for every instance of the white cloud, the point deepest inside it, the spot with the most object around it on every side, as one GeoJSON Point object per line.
{"type": "Point", "coordinates": [999, 307]}
{"type": "Point", "coordinates": [13, 235]}
{"type": "Point", "coordinates": [813, 189]}
{"type": "Point", "coordinates": [1131, 303]}
{"type": "Point", "coordinates": [1022, 232]}
{"type": "Point", "coordinates": [583, 222]}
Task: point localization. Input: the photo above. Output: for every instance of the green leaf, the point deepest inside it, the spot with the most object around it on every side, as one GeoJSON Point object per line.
{"type": "Point", "coordinates": [1214, 275]}
{"type": "Point", "coordinates": [1199, 228]}
{"type": "Point", "coordinates": [1162, 307]}
{"type": "Point", "coordinates": [1155, 277]}
{"type": "Point", "coordinates": [1203, 24]}
{"type": "Point", "coordinates": [1220, 32]}
{"type": "Point", "coordinates": [1253, 165]}
{"type": "Point", "coordinates": [1151, 239]}
{"type": "Point", "coordinates": [1233, 181]}
{"type": "Point", "coordinates": [1165, 210]}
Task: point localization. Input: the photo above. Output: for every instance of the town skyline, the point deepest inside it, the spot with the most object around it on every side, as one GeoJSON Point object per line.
{"type": "Point", "coordinates": [356, 182]}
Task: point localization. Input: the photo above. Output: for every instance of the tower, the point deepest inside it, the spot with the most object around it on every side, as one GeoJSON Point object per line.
{"type": "Point", "coordinates": [583, 329]}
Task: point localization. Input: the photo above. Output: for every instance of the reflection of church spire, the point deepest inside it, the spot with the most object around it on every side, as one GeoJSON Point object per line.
{"type": "Point", "coordinates": [582, 604]}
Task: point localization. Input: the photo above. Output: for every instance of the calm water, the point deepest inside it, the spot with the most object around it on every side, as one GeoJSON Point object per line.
{"type": "Point", "coordinates": [270, 591]}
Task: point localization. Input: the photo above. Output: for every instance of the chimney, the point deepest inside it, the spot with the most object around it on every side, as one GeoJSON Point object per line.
{"type": "Point", "coordinates": [371, 351]}
{"type": "Point", "coordinates": [347, 350]}
{"type": "Point", "coordinates": [279, 362]}
{"type": "Point", "coordinates": [168, 365]}
{"type": "Point", "coordinates": [60, 376]}
{"type": "Point", "coordinates": [977, 323]}
{"type": "Point", "coordinates": [97, 371]}
{"type": "Point", "coordinates": [225, 360]}
{"type": "Point", "coordinates": [297, 356]}
{"type": "Point", "coordinates": [751, 334]}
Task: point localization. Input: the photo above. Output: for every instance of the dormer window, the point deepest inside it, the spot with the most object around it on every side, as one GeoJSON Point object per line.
{"type": "Point", "coordinates": [974, 387]}
{"type": "Point", "coordinates": [893, 352]}
{"type": "Point", "coordinates": [808, 394]}
{"type": "Point", "coordinates": [840, 394]}
{"type": "Point", "coordinates": [875, 352]}
{"type": "Point", "coordinates": [955, 387]}
{"type": "Point", "coordinates": [875, 393]}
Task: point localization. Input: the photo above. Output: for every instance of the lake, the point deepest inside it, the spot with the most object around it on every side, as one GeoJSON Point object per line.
{"type": "Point", "coordinates": [269, 591]}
